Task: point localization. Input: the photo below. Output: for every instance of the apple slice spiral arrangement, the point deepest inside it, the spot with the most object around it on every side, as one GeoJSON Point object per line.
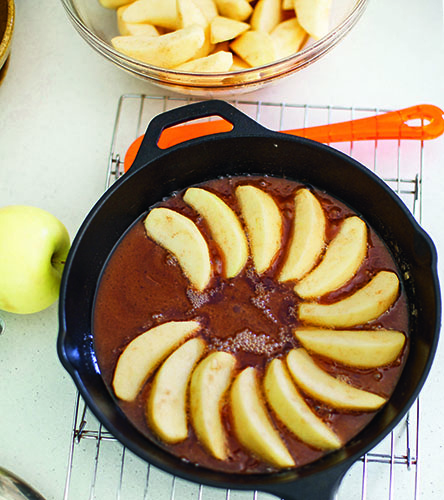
{"type": "Point", "coordinates": [196, 386]}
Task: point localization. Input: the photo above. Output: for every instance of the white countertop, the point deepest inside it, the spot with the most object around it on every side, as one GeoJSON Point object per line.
{"type": "Point", "coordinates": [57, 108]}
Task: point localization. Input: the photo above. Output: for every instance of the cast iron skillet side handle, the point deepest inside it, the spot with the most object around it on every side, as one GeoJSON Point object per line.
{"type": "Point", "coordinates": [322, 486]}
{"type": "Point", "coordinates": [242, 124]}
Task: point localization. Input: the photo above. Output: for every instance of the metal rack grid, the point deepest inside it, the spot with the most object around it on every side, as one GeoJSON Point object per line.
{"type": "Point", "coordinates": [99, 467]}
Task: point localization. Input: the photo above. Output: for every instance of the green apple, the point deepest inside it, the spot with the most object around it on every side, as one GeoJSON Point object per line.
{"type": "Point", "coordinates": [33, 248]}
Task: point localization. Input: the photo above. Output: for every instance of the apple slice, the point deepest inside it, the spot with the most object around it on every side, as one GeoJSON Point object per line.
{"type": "Point", "coordinates": [224, 226]}
{"type": "Point", "coordinates": [180, 236]}
{"type": "Point", "coordinates": [293, 411]}
{"type": "Point", "coordinates": [239, 10]}
{"type": "Point", "coordinates": [143, 354]}
{"type": "Point", "coordinates": [166, 409]}
{"type": "Point", "coordinates": [239, 64]}
{"type": "Point", "coordinates": [264, 225]}
{"type": "Point", "coordinates": [158, 12]}
{"type": "Point", "coordinates": [323, 387]}
{"type": "Point", "coordinates": [208, 8]}
{"type": "Point", "coordinates": [224, 28]}
{"type": "Point", "coordinates": [314, 16]}
{"type": "Point", "coordinates": [342, 259]}
{"type": "Point", "coordinates": [252, 425]}
{"type": "Point", "coordinates": [218, 62]}
{"type": "Point", "coordinates": [209, 382]}
{"type": "Point", "coordinates": [308, 238]}
{"type": "Point", "coordinates": [368, 303]}
{"type": "Point", "coordinates": [266, 15]}
{"type": "Point", "coordinates": [288, 37]}
{"type": "Point", "coordinates": [362, 349]}
{"type": "Point", "coordinates": [165, 51]}
{"type": "Point", "coordinates": [189, 13]}
{"type": "Point", "coordinates": [134, 28]}
{"type": "Point", "coordinates": [254, 47]}
{"type": "Point", "coordinates": [113, 4]}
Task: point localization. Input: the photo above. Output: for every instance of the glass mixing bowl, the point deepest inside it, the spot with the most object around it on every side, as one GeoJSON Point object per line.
{"type": "Point", "coordinates": [97, 25]}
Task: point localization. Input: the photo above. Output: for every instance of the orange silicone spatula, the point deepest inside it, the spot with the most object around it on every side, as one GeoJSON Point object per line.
{"type": "Point", "coordinates": [420, 122]}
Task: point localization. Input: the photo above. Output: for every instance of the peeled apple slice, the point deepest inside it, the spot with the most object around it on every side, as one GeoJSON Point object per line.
{"type": "Point", "coordinates": [219, 62]}
{"type": "Point", "coordinates": [342, 259]}
{"type": "Point", "coordinates": [166, 409]}
{"type": "Point", "coordinates": [252, 424]}
{"type": "Point", "coordinates": [368, 303]}
{"type": "Point", "coordinates": [323, 387]}
{"type": "Point", "coordinates": [254, 47]}
{"type": "Point", "coordinates": [224, 28]}
{"type": "Point", "coordinates": [293, 411]}
{"type": "Point", "coordinates": [288, 37]}
{"type": "Point", "coordinates": [167, 50]}
{"type": "Point", "coordinates": [113, 4]}
{"type": "Point", "coordinates": [180, 236]}
{"type": "Point", "coordinates": [224, 226]}
{"type": "Point", "coordinates": [158, 12]}
{"type": "Point", "coordinates": [208, 8]}
{"type": "Point", "coordinates": [143, 354]}
{"type": "Point", "coordinates": [308, 238]}
{"type": "Point", "coordinates": [239, 10]}
{"type": "Point", "coordinates": [134, 28]}
{"type": "Point", "coordinates": [209, 382]}
{"type": "Point", "coordinates": [266, 15]}
{"type": "Point", "coordinates": [264, 225]}
{"type": "Point", "coordinates": [362, 349]}
{"type": "Point", "coordinates": [314, 16]}
{"type": "Point", "coordinates": [188, 13]}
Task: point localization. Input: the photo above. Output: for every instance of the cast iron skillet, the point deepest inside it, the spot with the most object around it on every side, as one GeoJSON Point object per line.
{"type": "Point", "coordinates": [247, 149]}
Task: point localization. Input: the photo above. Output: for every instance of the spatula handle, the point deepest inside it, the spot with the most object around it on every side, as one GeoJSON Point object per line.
{"type": "Point", "coordinates": [420, 122]}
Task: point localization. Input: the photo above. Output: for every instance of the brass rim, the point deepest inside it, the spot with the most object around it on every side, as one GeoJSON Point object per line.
{"type": "Point", "coordinates": [7, 36]}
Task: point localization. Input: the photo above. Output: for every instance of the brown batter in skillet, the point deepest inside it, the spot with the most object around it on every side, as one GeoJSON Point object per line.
{"type": "Point", "coordinates": [249, 315]}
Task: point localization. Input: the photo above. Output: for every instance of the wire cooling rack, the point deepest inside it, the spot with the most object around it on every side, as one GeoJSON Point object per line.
{"type": "Point", "coordinates": [100, 468]}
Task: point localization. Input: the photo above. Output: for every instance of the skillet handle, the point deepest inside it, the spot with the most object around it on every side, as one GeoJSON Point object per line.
{"type": "Point", "coordinates": [321, 486]}
{"type": "Point", "coordinates": [149, 150]}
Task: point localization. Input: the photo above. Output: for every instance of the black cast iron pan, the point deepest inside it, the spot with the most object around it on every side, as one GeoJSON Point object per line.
{"type": "Point", "coordinates": [247, 149]}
